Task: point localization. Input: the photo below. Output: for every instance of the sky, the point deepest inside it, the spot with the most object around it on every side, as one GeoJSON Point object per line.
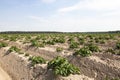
{"type": "Point", "coordinates": [60, 15]}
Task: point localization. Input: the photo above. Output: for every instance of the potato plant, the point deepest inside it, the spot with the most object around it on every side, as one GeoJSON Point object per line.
{"type": "Point", "coordinates": [74, 45]}
{"type": "Point", "coordinates": [59, 40]}
{"type": "Point", "coordinates": [37, 60]}
{"type": "Point", "coordinates": [50, 42]}
{"type": "Point", "coordinates": [35, 43]}
{"type": "Point", "coordinates": [14, 49]}
{"type": "Point", "coordinates": [84, 52]}
{"type": "Point", "coordinates": [111, 51]}
{"type": "Point", "coordinates": [61, 66]}
{"type": "Point", "coordinates": [93, 47]}
{"type": "Point", "coordinates": [2, 44]}
{"type": "Point", "coordinates": [118, 45]}
{"type": "Point", "coordinates": [59, 49]}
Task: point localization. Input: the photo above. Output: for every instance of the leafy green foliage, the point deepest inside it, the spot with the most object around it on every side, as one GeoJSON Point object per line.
{"type": "Point", "coordinates": [35, 43]}
{"type": "Point", "coordinates": [13, 38]}
{"type": "Point", "coordinates": [62, 67]}
{"type": "Point", "coordinates": [59, 40]}
{"type": "Point", "coordinates": [81, 41]}
{"type": "Point", "coordinates": [50, 42]}
{"type": "Point", "coordinates": [26, 54]}
{"type": "Point", "coordinates": [93, 48]}
{"type": "Point", "coordinates": [83, 52]}
{"type": "Point", "coordinates": [2, 44]}
{"type": "Point", "coordinates": [37, 60]}
{"type": "Point", "coordinates": [74, 45]}
{"type": "Point", "coordinates": [107, 78]}
{"type": "Point", "coordinates": [59, 49]}
{"type": "Point", "coordinates": [14, 49]}
{"type": "Point", "coordinates": [111, 51]}
{"type": "Point", "coordinates": [118, 45]}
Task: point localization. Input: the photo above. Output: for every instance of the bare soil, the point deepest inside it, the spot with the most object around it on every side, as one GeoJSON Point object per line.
{"type": "Point", "coordinates": [96, 67]}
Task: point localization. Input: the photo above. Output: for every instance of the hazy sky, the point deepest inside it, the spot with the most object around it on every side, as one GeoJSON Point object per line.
{"type": "Point", "coordinates": [59, 15]}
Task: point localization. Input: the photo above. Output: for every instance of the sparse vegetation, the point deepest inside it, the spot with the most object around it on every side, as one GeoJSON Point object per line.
{"type": "Point", "coordinates": [90, 52]}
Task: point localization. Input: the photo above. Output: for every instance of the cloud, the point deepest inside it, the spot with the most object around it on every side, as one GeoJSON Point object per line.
{"type": "Point", "coordinates": [97, 5]}
{"type": "Point", "coordinates": [112, 13]}
{"type": "Point", "coordinates": [48, 1]}
{"type": "Point", "coordinates": [63, 23]}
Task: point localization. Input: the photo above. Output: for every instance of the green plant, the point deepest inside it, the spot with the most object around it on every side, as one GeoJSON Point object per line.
{"type": "Point", "coordinates": [37, 60]}
{"type": "Point", "coordinates": [59, 49]}
{"type": "Point", "coordinates": [21, 52]}
{"type": "Point", "coordinates": [26, 54]}
{"type": "Point", "coordinates": [2, 44]}
{"type": "Point", "coordinates": [111, 51]}
{"type": "Point", "coordinates": [59, 40]}
{"type": "Point", "coordinates": [107, 78]}
{"type": "Point", "coordinates": [118, 45]}
{"type": "Point", "coordinates": [73, 45]}
{"type": "Point", "coordinates": [50, 42]}
{"type": "Point", "coordinates": [83, 52]}
{"type": "Point", "coordinates": [102, 41]}
{"type": "Point", "coordinates": [93, 48]}
{"type": "Point", "coordinates": [13, 38]}
{"type": "Point", "coordinates": [34, 43]}
{"type": "Point", "coordinates": [117, 52]}
{"type": "Point", "coordinates": [14, 48]}
{"type": "Point", "coordinates": [61, 66]}
{"type": "Point", "coordinates": [41, 45]}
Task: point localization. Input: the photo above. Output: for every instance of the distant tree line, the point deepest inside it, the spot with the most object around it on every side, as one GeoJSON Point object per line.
{"type": "Point", "coordinates": [38, 32]}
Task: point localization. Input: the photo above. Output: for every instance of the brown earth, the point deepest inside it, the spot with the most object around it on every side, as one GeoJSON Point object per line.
{"type": "Point", "coordinates": [95, 67]}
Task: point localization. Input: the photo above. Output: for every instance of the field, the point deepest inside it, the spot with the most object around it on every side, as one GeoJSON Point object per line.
{"type": "Point", "coordinates": [61, 56]}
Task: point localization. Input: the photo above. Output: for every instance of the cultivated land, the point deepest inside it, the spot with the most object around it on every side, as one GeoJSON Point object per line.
{"type": "Point", "coordinates": [61, 56]}
{"type": "Point", "coordinates": [4, 75]}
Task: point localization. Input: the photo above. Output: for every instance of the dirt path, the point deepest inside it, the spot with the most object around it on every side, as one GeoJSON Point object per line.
{"type": "Point", "coordinates": [4, 75]}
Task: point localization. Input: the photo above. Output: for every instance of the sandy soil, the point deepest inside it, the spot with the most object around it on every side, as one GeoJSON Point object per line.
{"type": "Point", "coordinates": [4, 75]}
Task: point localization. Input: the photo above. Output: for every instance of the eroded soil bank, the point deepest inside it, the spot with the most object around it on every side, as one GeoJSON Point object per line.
{"type": "Point", "coordinates": [4, 75]}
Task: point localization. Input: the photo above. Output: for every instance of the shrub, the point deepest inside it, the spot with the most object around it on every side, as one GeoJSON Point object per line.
{"type": "Point", "coordinates": [83, 52]}
{"type": "Point", "coordinates": [37, 60]}
{"type": "Point", "coordinates": [61, 66]}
